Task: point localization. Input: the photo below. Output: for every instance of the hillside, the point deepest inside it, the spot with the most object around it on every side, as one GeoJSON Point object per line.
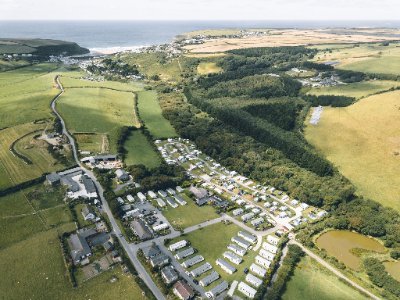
{"type": "Point", "coordinates": [40, 47]}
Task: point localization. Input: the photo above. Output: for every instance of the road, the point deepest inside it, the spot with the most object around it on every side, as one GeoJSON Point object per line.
{"type": "Point", "coordinates": [334, 270]}
{"type": "Point", "coordinates": [115, 228]}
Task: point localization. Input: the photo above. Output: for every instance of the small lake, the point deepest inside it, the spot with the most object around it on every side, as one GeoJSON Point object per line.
{"type": "Point", "coordinates": [393, 268]}
{"type": "Point", "coordinates": [339, 243]}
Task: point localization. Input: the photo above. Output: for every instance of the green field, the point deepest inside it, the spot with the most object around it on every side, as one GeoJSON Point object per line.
{"type": "Point", "coordinates": [150, 113]}
{"type": "Point", "coordinates": [380, 65]}
{"type": "Point", "coordinates": [97, 110]}
{"type": "Point", "coordinates": [356, 90]}
{"type": "Point", "coordinates": [140, 151]}
{"type": "Point", "coordinates": [362, 140]}
{"type": "Point", "coordinates": [310, 281]}
{"type": "Point", "coordinates": [189, 215]}
{"type": "Point", "coordinates": [70, 80]}
{"type": "Point", "coordinates": [205, 68]}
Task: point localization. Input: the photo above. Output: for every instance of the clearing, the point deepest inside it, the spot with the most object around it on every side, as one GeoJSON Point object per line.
{"type": "Point", "coordinates": [362, 140]}
{"type": "Point", "coordinates": [205, 68]}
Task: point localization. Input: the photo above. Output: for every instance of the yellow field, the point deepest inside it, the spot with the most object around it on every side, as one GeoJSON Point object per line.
{"type": "Point", "coordinates": [363, 141]}
{"type": "Point", "coordinates": [205, 68]}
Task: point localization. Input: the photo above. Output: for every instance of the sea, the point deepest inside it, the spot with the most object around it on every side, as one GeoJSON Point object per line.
{"type": "Point", "coordinates": [113, 36]}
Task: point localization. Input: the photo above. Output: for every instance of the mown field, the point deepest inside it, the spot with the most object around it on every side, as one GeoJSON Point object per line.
{"type": "Point", "coordinates": [98, 110]}
{"type": "Point", "coordinates": [14, 170]}
{"type": "Point", "coordinates": [310, 281]}
{"type": "Point", "coordinates": [150, 113]}
{"type": "Point", "coordinates": [140, 151]}
{"type": "Point", "coordinates": [356, 90]}
{"type": "Point", "coordinates": [362, 140]}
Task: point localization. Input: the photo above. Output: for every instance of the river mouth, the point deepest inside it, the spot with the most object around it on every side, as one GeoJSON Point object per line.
{"type": "Point", "coordinates": [346, 246]}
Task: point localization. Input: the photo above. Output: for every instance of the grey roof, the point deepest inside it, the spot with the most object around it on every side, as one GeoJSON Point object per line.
{"type": "Point", "coordinates": [105, 157]}
{"type": "Point", "coordinates": [88, 183]}
{"type": "Point", "coordinates": [226, 265]}
{"type": "Point", "coordinates": [209, 278]}
{"type": "Point", "coordinates": [141, 230]}
{"type": "Point", "coordinates": [79, 247]}
{"type": "Point", "coordinates": [87, 210]}
{"type": "Point", "coordinates": [184, 253]}
{"type": "Point", "coordinates": [159, 260]}
{"type": "Point", "coordinates": [72, 185]}
{"type": "Point", "coordinates": [219, 288]}
{"type": "Point", "coordinates": [169, 273]}
{"type": "Point", "coordinates": [121, 173]}
{"type": "Point", "coordinates": [198, 192]}
{"type": "Point", "coordinates": [86, 232]}
{"type": "Point", "coordinates": [202, 269]}
{"type": "Point", "coordinates": [53, 177]}
{"type": "Point", "coordinates": [98, 239]}
{"type": "Point", "coordinates": [151, 251]}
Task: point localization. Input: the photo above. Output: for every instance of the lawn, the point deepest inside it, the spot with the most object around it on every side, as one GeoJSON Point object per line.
{"type": "Point", "coordinates": [14, 170]}
{"type": "Point", "coordinates": [362, 140]}
{"type": "Point", "coordinates": [97, 110]}
{"type": "Point", "coordinates": [205, 68]}
{"type": "Point", "coordinates": [310, 281]}
{"type": "Point", "coordinates": [150, 113]}
{"type": "Point", "coordinates": [356, 90]}
{"type": "Point", "coordinates": [189, 215]}
{"type": "Point", "coordinates": [140, 151]}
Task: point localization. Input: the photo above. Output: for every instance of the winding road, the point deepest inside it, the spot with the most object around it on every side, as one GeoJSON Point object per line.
{"type": "Point", "coordinates": [115, 228]}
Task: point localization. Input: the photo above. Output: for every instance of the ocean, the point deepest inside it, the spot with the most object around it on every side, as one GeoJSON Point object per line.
{"type": "Point", "coordinates": [119, 35]}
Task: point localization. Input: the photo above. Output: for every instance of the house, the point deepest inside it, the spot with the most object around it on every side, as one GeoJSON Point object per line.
{"type": "Point", "coordinates": [141, 230]}
{"type": "Point", "coordinates": [159, 260]}
{"type": "Point", "coordinates": [192, 261]}
{"type": "Point", "coordinates": [246, 290]}
{"type": "Point", "coordinates": [228, 268]}
{"type": "Point", "coordinates": [271, 248]}
{"type": "Point", "coordinates": [160, 227]}
{"type": "Point", "coordinates": [248, 237]}
{"type": "Point", "coordinates": [262, 262]}
{"type": "Point", "coordinates": [184, 253]}
{"type": "Point", "coordinates": [273, 240]}
{"type": "Point", "coordinates": [258, 270]}
{"type": "Point", "coordinates": [241, 242]}
{"type": "Point", "coordinates": [169, 274]}
{"type": "Point", "coordinates": [209, 279]}
{"type": "Point", "coordinates": [200, 194]}
{"type": "Point", "coordinates": [122, 175]}
{"type": "Point", "coordinates": [183, 291]}
{"type": "Point", "coordinates": [88, 213]}
{"type": "Point", "coordinates": [80, 249]}
{"type": "Point", "coordinates": [151, 251]}
{"type": "Point", "coordinates": [236, 249]}
{"type": "Point", "coordinates": [253, 280]}
{"type": "Point", "coordinates": [201, 270]}
{"type": "Point", "coordinates": [232, 257]}
{"type": "Point", "coordinates": [178, 245]}
{"type": "Point", "coordinates": [214, 292]}
{"type": "Point", "coordinates": [53, 179]}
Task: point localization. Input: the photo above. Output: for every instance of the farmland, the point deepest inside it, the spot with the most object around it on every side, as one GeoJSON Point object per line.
{"type": "Point", "coordinates": [362, 141]}
{"type": "Point", "coordinates": [97, 110]}
{"type": "Point", "coordinates": [73, 80]}
{"type": "Point", "coordinates": [205, 68]}
{"type": "Point", "coordinates": [151, 114]}
{"type": "Point", "coordinates": [140, 151]}
{"type": "Point", "coordinates": [312, 282]}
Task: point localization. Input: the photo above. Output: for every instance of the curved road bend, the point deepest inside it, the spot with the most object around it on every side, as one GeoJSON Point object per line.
{"type": "Point", "coordinates": [334, 270]}
{"type": "Point", "coordinates": [131, 254]}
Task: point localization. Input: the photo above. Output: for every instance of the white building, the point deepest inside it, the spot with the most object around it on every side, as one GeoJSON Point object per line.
{"type": "Point", "coordinates": [246, 290]}
{"type": "Point", "coordinates": [270, 248]}
{"type": "Point", "coordinates": [258, 270]}
{"type": "Point", "coordinates": [241, 242]}
{"type": "Point", "coordinates": [160, 227]}
{"type": "Point", "coordinates": [192, 261]}
{"type": "Point", "coordinates": [253, 280]}
{"type": "Point", "coordinates": [160, 202]}
{"type": "Point", "coordinates": [266, 254]}
{"type": "Point", "coordinates": [201, 270]}
{"type": "Point", "coordinates": [214, 292]}
{"type": "Point", "coordinates": [225, 266]}
{"type": "Point", "coordinates": [141, 196]}
{"type": "Point", "coordinates": [236, 249]}
{"type": "Point", "coordinates": [130, 198]}
{"type": "Point", "coordinates": [247, 217]}
{"type": "Point", "coordinates": [209, 279]}
{"type": "Point", "coordinates": [257, 222]}
{"type": "Point", "coordinates": [248, 237]}
{"type": "Point", "coordinates": [237, 212]}
{"type": "Point", "coordinates": [263, 262]}
{"type": "Point", "coordinates": [273, 240]}
{"type": "Point", "coordinates": [233, 258]}
{"type": "Point", "coordinates": [177, 245]}
{"type": "Point", "coordinates": [152, 195]}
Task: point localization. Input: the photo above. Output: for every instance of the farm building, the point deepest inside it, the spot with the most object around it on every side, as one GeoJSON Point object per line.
{"type": "Point", "coordinates": [270, 248]}
{"type": "Point", "coordinates": [253, 280]}
{"type": "Point", "coordinates": [169, 274]}
{"type": "Point", "coordinates": [184, 253]}
{"type": "Point", "coordinates": [263, 262]}
{"type": "Point", "coordinates": [214, 292]}
{"type": "Point", "coordinates": [160, 202]}
{"type": "Point", "coordinates": [237, 212]}
{"type": "Point", "coordinates": [266, 254]}
{"type": "Point", "coordinates": [180, 200]}
{"type": "Point", "coordinates": [178, 245]}
{"type": "Point", "coordinates": [201, 270]}
{"type": "Point", "coordinates": [122, 175]}
{"type": "Point", "coordinates": [236, 249]}
{"type": "Point", "coordinates": [247, 217]}
{"type": "Point", "coordinates": [258, 270]}
{"type": "Point", "coordinates": [53, 179]}
{"type": "Point", "coordinates": [192, 261]}
{"type": "Point", "coordinates": [248, 237]}
{"type": "Point", "coordinates": [225, 266]}
{"type": "Point", "coordinates": [257, 222]}
{"type": "Point", "coordinates": [183, 291]}
{"type": "Point", "coordinates": [246, 290]}
{"type": "Point", "coordinates": [273, 240]}
{"type": "Point", "coordinates": [241, 242]}
{"type": "Point", "coordinates": [209, 279]}
{"type": "Point", "coordinates": [171, 202]}
{"type": "Point", "coordinates": [160, 227]}
{"type": "Point", "coordinates": [233, 258]}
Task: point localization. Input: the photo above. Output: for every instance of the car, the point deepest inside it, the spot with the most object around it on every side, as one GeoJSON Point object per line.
{"type": "Point", "coordinates": [246, 270]}
{"type": "Point", "coordinates": [195, 281]}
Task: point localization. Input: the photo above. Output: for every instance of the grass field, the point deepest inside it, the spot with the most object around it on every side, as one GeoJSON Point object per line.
{"type": "Point", "coordinates": [13, 170]}
{"type": "Point", "coordinates": [362, 140]}
{"type": "Point", "coordinates": [96, 110]}
{"type": "Point", "coordinates": [150, 113]}
{"type": "Point", "coordinates": [380, 65]}
{"type": "Point", "coordinates": [90, 141]}
{"type": "Point", "coordinates": [26, 93]}
{"type": "Point", "coordinates": [75, 81]}
{"type": "Point", "coordinates": [140, 151]}
{"type": "Point", "coordinates": [356, 90]}
{"type": "Point", "coordinates": [205, 68]}
{"type": "Point", "coordinates": [310, 281]}
{"type": "Point", "coordinates": [189, 215]}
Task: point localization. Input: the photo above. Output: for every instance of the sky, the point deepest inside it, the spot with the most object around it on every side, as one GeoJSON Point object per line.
{"type": "Point", "coordinates": [199, 10]}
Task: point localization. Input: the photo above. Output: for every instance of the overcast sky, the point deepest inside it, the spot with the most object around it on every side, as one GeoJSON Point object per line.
{"type": "Point", "coordinates": [199, 10]}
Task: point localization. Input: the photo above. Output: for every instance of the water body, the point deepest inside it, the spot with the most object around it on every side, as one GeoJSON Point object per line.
{"type": "Point", "coordinates": [339, 243]}
{"type": "Point", "coordinates": [131, 34]}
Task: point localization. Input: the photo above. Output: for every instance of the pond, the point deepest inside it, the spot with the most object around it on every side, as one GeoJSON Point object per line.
{"type": "Point", "coordinates": [393, 268]}
{"type": "Point", "coordinates": [339, 244]}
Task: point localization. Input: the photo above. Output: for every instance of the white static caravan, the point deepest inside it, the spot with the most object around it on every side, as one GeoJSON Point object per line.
{"type": "Point", "coordinates": [258, 270]}
{"type": "Point", "coordinates": [177, 245]}
{"type": "Point", "coordinates": [253, 280]}
{"type": "Point", "coordinates": [263, 262]}
{"type": "Point", "coordinates": [273, 240]}
{"type": "Point", "coordinates": [266, 254]}
{"type": "Point", "coordinates": [271, 248]}
{"type": "Point", "coordinates": [246, 290]}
